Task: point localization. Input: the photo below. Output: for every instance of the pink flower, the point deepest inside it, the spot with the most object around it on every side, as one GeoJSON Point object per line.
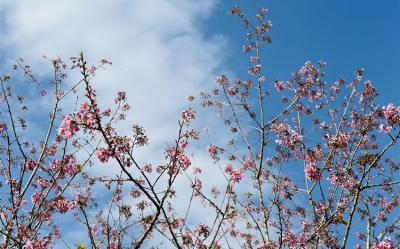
{"type": "Point", "coordinates": [281, 127]}
{"type": "Point", "coordinates": [197, 170]}
{"type": "Point", "coordinates": [187, 238]}
{"type": "Point", "coordinates": [85, 106]}
{"type": "Point", "coordinates": [360, 236]}
{"type": "Point", "coordinates": [290, 239]}
{"type": "Point", "coordinates": [306, 68]}
{"type": "Point", "coordinates": [213, 151]}
{"type": "Point", "coordinates": [102, 154]}
{"type": "Point", "coordinates": [221, 80]}
{"type": "Point", "coordinates": [121, 96]}
{"type": "Point", "coordinates": [184, 161]}
{"type": "Point", "coordinates": [61, 204]}
{"type": "Point", "coordinates": [43, 93]}
{"type": "Point", "coordinates": [232, 90]}
{"type": "Point", "coordinates": [384, 128]}
{"type": "Point", "coordinates": [287, 182]}
{"type": "Point", "coordinates": [188, 115]}
{"type": "Point", "coordinates": [320, 208]}
{"type": "Point", "coordinates": [386, 243]}
{"type": "Point", "coordinates": [3, 127]}
{"type": "Point", "coordinates": [92, 229]}
{"type": "Point", "coordinates": [28, 245]}
{"type": "Point", "coordinates": [193, 134]}
{"type": "Point", "coordinates": [392, 113]}
{"type": "Point", "coordinates": [171, 151]}
{"type": "Point", "coordinates": [248, 162]}
{"type": "Point", "coordinates": [380, 215]}
{"type": "Point", "coordinates": [229, 169]}
{"type": "Point", "coordinates": [290, 138]}
{"type": "Point", "coordinates": [249, 207]}
{"type": "Point", "coordinates": [279, 85]}
{"type": "Point", "coordinates": [20, 202]}
{"type": "Point", "coordinates": [37, 197]}
{"type": "Point", "coordinates": [341, 180]}
{"type": "Point", "coordinates": [202, 230]}
{"type": "Point", "coordinates": [43, 183]}
{"type": "Point", "coordinates": [183, 144]}
{"type": "Point", "coordinates": [86, 116]}
{"type": "Point", "coordinates": [255, 69]}
{"type": "Point", "coordinates": [197, 184]}
{"type": "Point", "coordinates": [147, 168]}
{"type": "Point", "coordinates": [68, 128]}
{"type": "Point", "coordinates": [311, 171]}
{"type": "Point", "coordinates": [72, 205]}
{"type": "Point", "coordinates": [30, 164]}
{"type": "Point", "coordinates": [246, 48]}
{"type": "Point", "coordinates": [369, 91]}
{"type": "Point", "coordinates": [59, 93]}
{"type": "Point", "coordinates": [237, 175]}
{"type": "Point", "coordinates": [339, 141]}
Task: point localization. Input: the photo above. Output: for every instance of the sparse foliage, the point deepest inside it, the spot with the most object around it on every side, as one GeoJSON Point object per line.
{"type": "Point", "coordinates": [315, 174]}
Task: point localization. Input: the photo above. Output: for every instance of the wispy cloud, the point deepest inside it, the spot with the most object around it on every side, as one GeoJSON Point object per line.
{"type": "Point", "coordinates": [157, 47]}
{"type": "Point", "coordinates": [159, 50]}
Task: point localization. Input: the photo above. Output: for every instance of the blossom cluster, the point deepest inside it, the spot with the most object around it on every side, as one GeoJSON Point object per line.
{"type": "Point", "coordinates": [386, 243]}
{"type": "Point", "coordinates": [68, 127]}
{"type": "Point", "coordinates": [311, 169]}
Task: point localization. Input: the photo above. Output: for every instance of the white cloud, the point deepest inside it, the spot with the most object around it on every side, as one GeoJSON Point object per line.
{"type": "Point", "coordinates": [159, 51]}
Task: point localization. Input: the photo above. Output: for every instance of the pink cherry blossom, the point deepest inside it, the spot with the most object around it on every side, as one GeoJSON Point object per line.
{"type": "Point", "coordinates": [221, 80]}
{"type": "Point", "coordinates": [202, 230]}
{"type": "Point", "coordinates": [385, 128]}
{"type": "Point", "coordinates": [188, 116]}
{"type": "Point", "coordinates": [30, 164]}
{"type": "Point", "coordinates": [37, 197]}
{"type": "Point", "coordinates": [392, 113]}
{"type": "Point", "coordinates": [197, 185]}
{"type": "Point", "coordinates": [279, 85]}
{"type": "Point", "coordinates": [312, 172]}
{"type": "Point", "coordinates": [339, 141]}
{"type": "Point", "coordinates": [214, 151]}
{"type": "Point", "coordinates": [61, 204]}
{"type": "Point", "coordinates": [369, 91]}
{"type": "Point", "coordinates": [341, 180]}
{"type": "Point", "coordinates": [228, 169]}
{"type": "Point", "coordinates": [68, 128]}
{"type": "Point", "coordinates": [232, 90]}
{"type": "Point", "coordinates": [197, 170]}
{"type": "Point", "coordinates": [93, 229]}
{"type": "Point", "coordinates": [360, 236]}
{"type": "Point", "coordinates": [102, 154]}
{"type": "Point", "coordinates": [386, 243]}
{"type": "Point", "coordinates": [28, 245]}
{"type": "Point", "coordinates": [184, 161]}
{"type": "Point", "coordinates": [237, 175]}
{"type": "Point", "coordinates": [3, 127]}
{"type": "Point", "coordinates": [183, 144]}
{"type": "Point", "coordinates": [255, 69]}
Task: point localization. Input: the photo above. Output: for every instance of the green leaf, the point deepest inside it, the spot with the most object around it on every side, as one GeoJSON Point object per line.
{"type": "Point", "coordinates": [80, 167]}
{"type": "Point", "coordinates": [80, 246]}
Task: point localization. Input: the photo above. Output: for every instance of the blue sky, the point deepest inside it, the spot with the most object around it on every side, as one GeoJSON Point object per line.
{"type": "Point", "coordinates": [345, 34]}
{"type": "Point", "coordinates": [163, 51]}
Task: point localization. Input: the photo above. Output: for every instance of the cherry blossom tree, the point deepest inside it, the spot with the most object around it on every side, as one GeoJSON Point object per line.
{"type": "Point", "coordinates": [316, 174]}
